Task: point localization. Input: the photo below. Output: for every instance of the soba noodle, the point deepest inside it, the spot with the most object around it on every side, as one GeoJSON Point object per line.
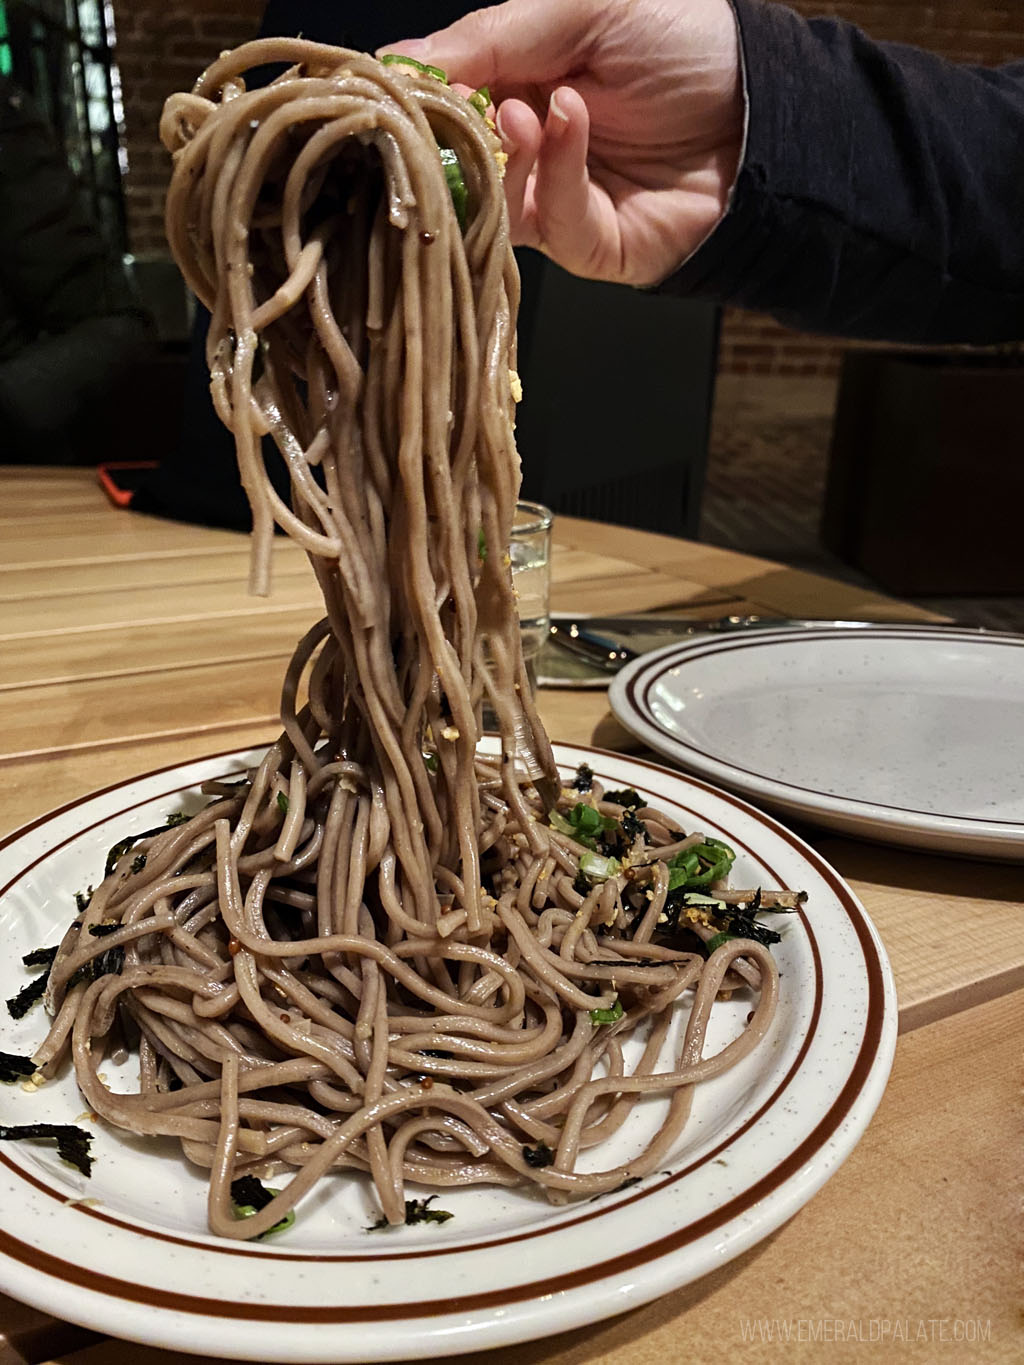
{"type": "Point", "coordinates": [376, 951]}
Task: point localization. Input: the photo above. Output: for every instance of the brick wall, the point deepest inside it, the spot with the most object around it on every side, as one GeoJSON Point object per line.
{"type": "Point", "coordinates": [161, 47]}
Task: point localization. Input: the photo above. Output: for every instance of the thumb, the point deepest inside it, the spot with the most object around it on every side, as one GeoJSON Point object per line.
{"type": "Point", "coordinates": [525, 41]}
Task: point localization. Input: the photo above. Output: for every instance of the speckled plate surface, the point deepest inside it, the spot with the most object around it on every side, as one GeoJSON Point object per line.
{"type": "Point", "coordinates": [137, 1261]}
{"type": "Point", "coordinates": [905, 734]}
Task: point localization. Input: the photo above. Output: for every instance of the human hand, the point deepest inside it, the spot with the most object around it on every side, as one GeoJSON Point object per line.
{"type": "Point", "coordinates": [622, 122]}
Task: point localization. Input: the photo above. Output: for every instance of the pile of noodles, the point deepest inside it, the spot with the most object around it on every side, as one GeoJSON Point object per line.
{"type": "Point", "coordinates": [375, 952]}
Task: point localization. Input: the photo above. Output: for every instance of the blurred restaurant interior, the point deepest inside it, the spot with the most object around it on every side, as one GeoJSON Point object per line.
{"type": "Point", "coordinates": [735, 429]}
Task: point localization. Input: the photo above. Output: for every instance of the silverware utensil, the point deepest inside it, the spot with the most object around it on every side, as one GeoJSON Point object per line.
{"type": "Point", "coordinates": [603, 641]}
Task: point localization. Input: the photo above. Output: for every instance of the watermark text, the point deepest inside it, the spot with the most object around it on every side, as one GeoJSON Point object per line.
{"type": "Point", "coordinates": [891, 1331]}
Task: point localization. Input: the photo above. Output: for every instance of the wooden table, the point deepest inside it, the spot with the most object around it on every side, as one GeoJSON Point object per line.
{"type": "Point", "coordinates": [128, 643]}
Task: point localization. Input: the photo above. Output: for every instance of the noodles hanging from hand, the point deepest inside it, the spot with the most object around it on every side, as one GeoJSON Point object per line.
{"type": "Point", "coordinates": [381, 950]}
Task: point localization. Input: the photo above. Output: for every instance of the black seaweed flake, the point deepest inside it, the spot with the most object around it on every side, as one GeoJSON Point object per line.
{"type": "Point", "coordinates": [247, 1190]}
{"type": "Point", "coordinates": [632, 829]}
{"type": "Point", "coordinates": [19, 1005]}
{"type": "Point", "coordinates": [584, 779]}
{"type": "Point", "coordinates": [13, 1067]}
{"type": "Point", "coordinates": [416, 1211]}
{"type": "Point", "coordinates": [745, 926]}
{"type": "Point", "coordinates": [626, 797]}
{"type": "Point", "coordinates": [739, 921]}
{"type": "Point", "coordinates": [628, 962]}
{"type": "Point", "coordinates": [72, 1142]}
{"type": "Point", "coordinates": [538, 1156]}
{"type": "Point", "coordinates": [109, 963]}
{"type": "Point", "coordinates": [139, 863]}
{"type": "Point", "coordinates": [419, 1211]}
{"type": "Point", "coordinates": [118, 851]}
{"type": "Point", "coordinates": [630, 1180]}
{"type": "Point", "coordinates": [40, 957]}
{"type": "Point", "coordinates": [249, 1196]}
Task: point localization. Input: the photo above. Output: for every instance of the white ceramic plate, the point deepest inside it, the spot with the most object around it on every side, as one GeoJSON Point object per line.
{"type": "Point", "coordinates": [508, 1267]}
{"type": "Point", "coordinates": [907, 734]}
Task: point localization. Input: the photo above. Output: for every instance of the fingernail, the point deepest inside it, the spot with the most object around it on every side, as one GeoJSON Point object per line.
{"type": "Point", "coordinates": [560, 119]}
{"type": "Point", "coordinates": [409, 47]}
{"type": "Point", "coordinates": [503, 133]}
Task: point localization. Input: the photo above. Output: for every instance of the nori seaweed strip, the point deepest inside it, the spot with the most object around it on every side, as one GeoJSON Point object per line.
{"type": "Point", "coordinates": [628, 797]}
{"type": "Point", "coordinates": [13, 1067]}
{"type": "Point", "coordinates": [109, 963]}
{"type": "Point", "coordinates": [41, 957]}
{"type": "Point", "coordinates": [745, 926]}
{"type": "Point", "coordinates": [19, 1005]}
{"type": "Point", "coordinates": [629, 962]}
{"type": "Point", "coordinates": [741, 923]}
{"type": "Point", "coordinates": [416, 1211]}
{"type": "Point", "coordinates": [117, 852]}
{"type": "Point", "coordinates": [72, 1142]}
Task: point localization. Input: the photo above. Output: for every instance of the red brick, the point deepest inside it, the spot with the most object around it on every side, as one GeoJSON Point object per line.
{"type": "Point", "coordinates": [162, 47]}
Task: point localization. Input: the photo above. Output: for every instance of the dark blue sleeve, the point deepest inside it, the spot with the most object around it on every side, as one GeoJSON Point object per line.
{"type": "Point", "coordinates": [881, 190]}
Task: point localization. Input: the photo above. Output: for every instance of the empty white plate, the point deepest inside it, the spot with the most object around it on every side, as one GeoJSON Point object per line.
{"type": "Point", "coordinates": [908, 734]}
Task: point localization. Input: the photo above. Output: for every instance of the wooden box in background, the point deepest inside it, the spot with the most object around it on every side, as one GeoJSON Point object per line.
{"type": "Point", "coordinates": [925, 488]}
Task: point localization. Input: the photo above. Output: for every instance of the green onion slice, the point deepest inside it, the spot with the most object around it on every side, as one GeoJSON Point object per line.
{"type": "Point", "coordinates": [250, 1211]}
{"type": "Point", "coordinates": [608, 1016]}
{"type": "Point", "coordinates": [391, 58]}
{"type": "Point", "coordinates": [599, 869]}
{"type": "Point", "coordinates": [456, 184]}
{"type": "Point", "coordinates": [717, 940]}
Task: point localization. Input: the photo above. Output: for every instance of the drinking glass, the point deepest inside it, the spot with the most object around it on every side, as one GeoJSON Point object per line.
{"type": "Point", "coordinates": [530, 551]}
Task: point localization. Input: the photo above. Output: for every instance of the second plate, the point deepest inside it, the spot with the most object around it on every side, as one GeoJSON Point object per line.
{"type": "Point", "coordinates": [907, 734]}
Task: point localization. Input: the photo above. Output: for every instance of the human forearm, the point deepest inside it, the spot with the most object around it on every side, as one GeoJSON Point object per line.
{"type": "Point", "coordinates": [879, 194]}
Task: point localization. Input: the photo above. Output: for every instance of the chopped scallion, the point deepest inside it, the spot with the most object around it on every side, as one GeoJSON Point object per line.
{"type": "Point", "coordinates": [611, 1016]}
{"type": "Point", "coordinates": [599, 868]}
{"type": "Point", "coordinates": [481, 100]}
{"type": "Point", "coordinates": [717, 940]}
{"type": "Point", "coordinates": [396, 58]}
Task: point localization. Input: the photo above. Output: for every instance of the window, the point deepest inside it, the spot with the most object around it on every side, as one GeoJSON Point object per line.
{"type": "Point", "coordinates": [5, 46]}
{"type": "Point", "coordinates": [61, 52]}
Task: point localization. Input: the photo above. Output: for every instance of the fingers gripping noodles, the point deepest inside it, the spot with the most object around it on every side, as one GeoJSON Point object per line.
{"type": "Point", "coordinates": [376, 952]}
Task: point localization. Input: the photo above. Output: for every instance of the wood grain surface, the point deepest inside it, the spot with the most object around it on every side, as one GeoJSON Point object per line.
{"type": "Point", "coordinates": [128, 643]}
